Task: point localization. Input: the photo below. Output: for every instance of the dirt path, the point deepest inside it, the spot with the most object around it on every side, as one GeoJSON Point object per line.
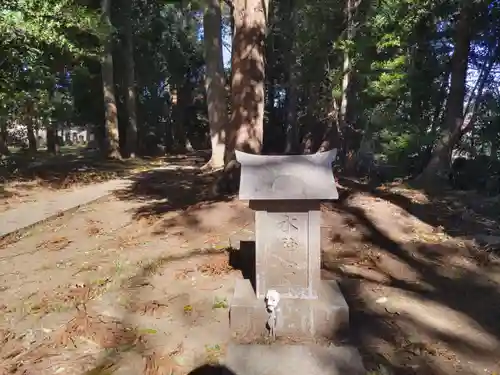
{"type": "Point", "coordinates": [140, 284]}
{"type": "Point", "coordinates": [78, 287]}
{"type": "Point", "coordinates": [32, 180]}
{"type": "Point", "coordinates": [422, 301]}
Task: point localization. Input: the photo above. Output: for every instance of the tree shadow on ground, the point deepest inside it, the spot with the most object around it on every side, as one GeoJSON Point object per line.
{"type": "Point", "coordinates": [185, 190]}
{"type": "Point", "coordinates": [125, 340]}
{"type": "Point", "coordinates": [465, 214]}
{"type": "Point", "coordinates": [5, 193]}
{"type": "Point", "coordinates": [209, 369]}
{"type": "Point", "coordinates": [441, 304]}
{"type": "Point", "coordinates": [80, 167]}
{"type": "Point", "coordinates": [427, 281]}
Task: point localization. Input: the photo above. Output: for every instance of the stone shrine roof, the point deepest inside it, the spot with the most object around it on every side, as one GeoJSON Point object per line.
{"type": "Point", "coordinates": [283, 177]}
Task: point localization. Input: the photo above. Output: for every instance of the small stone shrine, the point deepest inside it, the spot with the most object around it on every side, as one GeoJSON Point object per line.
{"type": "Point", "coordinates": [289, 299]}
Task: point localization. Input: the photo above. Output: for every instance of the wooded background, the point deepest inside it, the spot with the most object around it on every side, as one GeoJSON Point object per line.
{"type": "Point", "coordinates": [401, 87]}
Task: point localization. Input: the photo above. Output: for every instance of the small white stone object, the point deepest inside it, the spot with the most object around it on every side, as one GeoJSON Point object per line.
{"type": "Point", "coordinates": [381, 300]}
{"type": "Point", "coordinates": [272, 299]}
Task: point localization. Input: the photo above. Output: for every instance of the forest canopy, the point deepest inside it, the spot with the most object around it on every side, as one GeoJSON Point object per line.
{"type": "Point", "coordinates": [403, 88]}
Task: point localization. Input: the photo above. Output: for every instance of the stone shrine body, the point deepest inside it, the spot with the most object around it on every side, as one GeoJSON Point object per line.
{"type": "Point", "coordinates": [286, 192]}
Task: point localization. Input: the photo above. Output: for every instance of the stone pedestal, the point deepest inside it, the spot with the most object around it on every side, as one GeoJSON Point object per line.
{"type": "Point", "coordinates": [293, 359]}
{"type": "Point", "coordinates": [285, 192]}
{"type": "Point", "coordinates": [322, 317]}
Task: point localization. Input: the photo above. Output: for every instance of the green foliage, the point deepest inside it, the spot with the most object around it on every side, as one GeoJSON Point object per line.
{"type": "Point", "coordinates": [47, 22]}
{"type": "Point", "coordinates": [400, 52]}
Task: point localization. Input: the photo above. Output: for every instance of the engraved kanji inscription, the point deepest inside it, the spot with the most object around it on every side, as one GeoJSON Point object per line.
{"type": "Point", "coordinates": [288, 224]}
{"type": "Point", "coordinates": [285, 261]}
{"type": "Point", "coordinates": [290, 243]}
{"type": "Point", "coordinates": [289, 227]}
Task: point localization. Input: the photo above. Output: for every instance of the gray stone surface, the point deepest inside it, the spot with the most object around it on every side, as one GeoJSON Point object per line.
{"type": "Point", "coordinates": [287, 176]}
{"type": "Point", "coordinates": [29, 214]}
{"type": "Point", "coordinates": [293, 359]}
{"type": "Point", "coordinates": [288, 248]}
{"type": "Point", "coordinates": [285, 192]}
{"type": "Point", "coordinates": [299, 318]}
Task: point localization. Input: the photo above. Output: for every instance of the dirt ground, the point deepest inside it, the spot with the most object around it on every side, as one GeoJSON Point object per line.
{"type": "Point", "coordinates": [423, 290]}
{"type": "Point", "coordinates": [28, 178]}
{"type": "Point", "coordinates": [140, 283]}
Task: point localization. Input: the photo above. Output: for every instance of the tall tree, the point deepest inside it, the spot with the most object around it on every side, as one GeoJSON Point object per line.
{"type": "Point", "coordinates": [4, 149]}
{"type": "Point", "coordinates": [129, 59]}
{"type": "Point", "coordinates": [29, 118]}
{"type": "Point", "coordinates": [291, 62]}
{"type": "Point", "coordinates": [350, 9]}
{"type": "Point", "coordinates": [246, 127]}
{"type": "Point", "coordinates": [110, 109]}
{"type": "Point", "coordinates": [215, 82]}
{"type": "Point", "coordinates": [454, 117]}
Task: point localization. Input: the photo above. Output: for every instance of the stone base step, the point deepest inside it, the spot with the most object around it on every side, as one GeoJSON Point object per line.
{"type": "Point", "coordinates": [278, 359]}
{"type": "Point", "coordinates": [320, 318]}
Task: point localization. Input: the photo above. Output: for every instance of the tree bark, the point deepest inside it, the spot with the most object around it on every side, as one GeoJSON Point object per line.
{"type": "Point", "coordinates": [270, 57]}
{"type": "Point", "coordinates": [245, 131]}
{"type": "Point", "coordinates": [494, 148]}
{"type": "Point", "coordinates": [231, 22]}
{"type": "Point", "coordinates": [215, 83]}
{"type": "Point", "coordinates": [110, 110]}
{"type": "Point", "coordinates": [347, 65]}
{"type": "Point", "coordinates": [344, 129]}
{"type": "Point", "coordinates": [52, 140]}
{"type": "Point", "coordinates": [440, 99]}
{"type": "Point", "coordinates": [4, 148]}
{"type": "Point", "coordinates": [32, 143]}
{"type": "Point", "coordinates": [292, 134]}
{"type": "Point", "coordinates": [312, 129]}
{"type": "Point", "coordinates": [179, 111]}
{"type": "Point", "coordinates": [130, 96]}
{"type": "Point", "coordinates": [168, 141]}
{"type": "Point", "coordinates": [454, 118]}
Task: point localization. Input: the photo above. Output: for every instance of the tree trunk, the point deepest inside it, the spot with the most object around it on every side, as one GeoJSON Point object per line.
{"type": "Point", "coordinates": [231, 22]}
{"type": "Point", "coordinates": [494, 148]}
{"type": "Point", "coordinates": [52, 140]}
{"type": "Point", "coordinates": [312, 129]}
{"type": "Point", "coordinates": [32, 144]}
{"type": "Point", "coordinates": [4, 148]}
{"type": "Point", "coordinates": [270, 57]}
{"type": "Point", "coordinates": [454, 118]}
{"type": "Point", "coordinates": [215, 83]}
{"type": "Point", "coordinates": [346, 70]}
{"type": "Point", "coordinates": [343, 129]}
{"type": "Point", "coordinates": [179, 111]}
{"type": "Point", "coordinates": [245, 131]}
{"type": "Point", "coordinates": [292, 134]}
{"type": "Point", "coordinates": [419, 96]}
{"type": "Point", "coordinates": [168, 128]}
{"type": "Point", "coordinates": [110, 110]}
{"type": "Point", "coordinates": [332, 133]}
{"type": "Point", "coordinates": [440, 99]}
{"type": "Point", "coordinates": [130, 96]}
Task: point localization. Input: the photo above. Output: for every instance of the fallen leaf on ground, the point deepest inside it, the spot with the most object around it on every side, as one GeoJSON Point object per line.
{"type": "Point", "coordinates": [184, 273]}
{"type": "Point", "coordinates": [148, 308]}
{"type": "Point", "coordinates": [107, 334]}
{"type": "Point", "coordinates": [55, 244]}
{"type": "Point", "coordinates": [156, 364]}
{"type": "Point", "coordinates": [94, 231]}
{"type": "Point", "coordinates": [216, 267]}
